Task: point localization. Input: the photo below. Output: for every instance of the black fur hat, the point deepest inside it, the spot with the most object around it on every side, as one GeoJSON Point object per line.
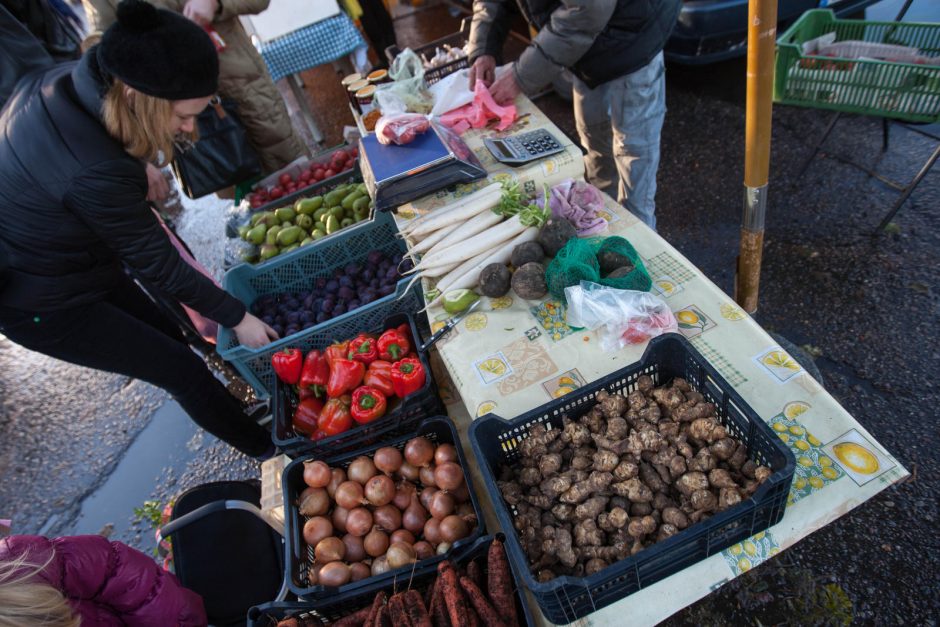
{"type": "Point", "coordinates": [159, 53]}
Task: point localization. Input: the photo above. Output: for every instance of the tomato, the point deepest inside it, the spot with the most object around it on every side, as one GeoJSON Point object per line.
{"type": "Point", "coordinates": [354, 152]}
{"type": "Point", "coordinates": [319, 174]}
{"type": "Point", "coordinates": [284, 179]}
{"type": "Point", "coordinates": [329, 173]}
{"type": "Point", "coordinates": [255, 203]}
{"type": "Point", "coordinates": [276, 192]}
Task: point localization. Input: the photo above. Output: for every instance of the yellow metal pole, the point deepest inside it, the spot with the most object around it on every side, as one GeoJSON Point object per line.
{"type": "Point", "coordinates": [761, 39]}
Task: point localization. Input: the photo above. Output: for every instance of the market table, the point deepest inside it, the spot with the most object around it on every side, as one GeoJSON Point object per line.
{"type": "Point", "coordinates": [511, 355]}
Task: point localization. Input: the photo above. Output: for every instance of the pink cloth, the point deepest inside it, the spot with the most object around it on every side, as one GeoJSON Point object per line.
{"type": "Point", "coordinates": [479, 112]}
{"type": "Point", "coordinates": [109, 583]}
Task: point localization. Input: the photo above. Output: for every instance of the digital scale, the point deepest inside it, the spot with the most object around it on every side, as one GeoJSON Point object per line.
{"type": "Point", "coordinates": [524, 147]}
{"type": "Point", "coordinates": [395, 175]}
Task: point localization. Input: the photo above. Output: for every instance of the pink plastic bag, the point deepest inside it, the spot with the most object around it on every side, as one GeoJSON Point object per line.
{"type": "Point", "coordinates": [479, 112]}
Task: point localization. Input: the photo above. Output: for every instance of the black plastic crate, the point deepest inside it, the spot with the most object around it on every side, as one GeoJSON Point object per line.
{"type": "Point", "coordinates": [331, 609]}
{"type": "Point", "coordinates": [427, 51]}
{"type": "Point", "coordinates": [564, 599]}
{"type": "Point", "coordinates": [399, 420]}
{"type": "Point", "coordinates": [299, 556]}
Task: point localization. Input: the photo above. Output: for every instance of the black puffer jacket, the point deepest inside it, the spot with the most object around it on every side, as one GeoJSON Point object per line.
{"type": "Point", "coordinates": [73, 204]}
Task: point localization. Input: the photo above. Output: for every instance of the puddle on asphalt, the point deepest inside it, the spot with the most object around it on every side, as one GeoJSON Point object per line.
{"type": "Point", "coordinates": [161, 445]}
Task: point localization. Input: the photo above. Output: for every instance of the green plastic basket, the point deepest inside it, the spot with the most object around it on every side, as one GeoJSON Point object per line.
{"type": "Point", "coordinates": [903, 91]}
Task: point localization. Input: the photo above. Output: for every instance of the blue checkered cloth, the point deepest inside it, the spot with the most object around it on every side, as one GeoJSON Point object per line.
{"type": "Point", "coordinates": [311, 46]}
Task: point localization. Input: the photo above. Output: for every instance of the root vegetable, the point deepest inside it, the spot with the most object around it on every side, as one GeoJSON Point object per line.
{"type": "Point", "coordinates": [612, 405]}
{"type": "Point", "coordinates": [690, 482]}
{"type": "Point", "coordinates": [626, 470]}
{"type": "Point", "coordinates": [675, 517]}
{"type": "Point", "coordinates": [495, 280]}
{"type": "Point", "coordinates": [317, 528]}
{"type": "Point", "coordinates": [454, 601]}
{"type": "Point", "coordinates": [353, 620]}
{"type": "Point", "coordinates": [330, 549]}
{"type": "Point", "coordinates": [640, 527]}
{"type": "Point", "coordinates": [549, 464]}
{"type": "Point", "coordinates": [448, 476]}
{"type": "Point", "coordinates": [723, 449]}
{"type": "Point", "coordinates": [317, 474]}
{"type": "Point", "coordinates": [719, 478]}
{"type": "Point", "coordinates": [555, 234]}
{"type": "Point", "coordinates": [388, 459]}
{"type": "Point", "coordinates": [528, 282]}
{"type": "Point", "coordinates": [586, 533]}
{"type": "Point", "coordinates": [402, 535]}
{"type": "Point", "coordinates": [605, 461]}
{"type": "Point", "coordinates": [666, 531]}
{"type": "Point", "coordinates": [361, 470]}
{"type": "Point", "coordinates": [558, 544]}
{"type": "Point", "coordinates": [355, 551]}
{"type": "Point", "coordinates": [314, 502]}
{"type": "Point", "coordinates": [707, 430]}
{"type": "Point", "coordinates": [591, 507]}
{"type": "Point", "coordinates": [634, 490]}
{"type": "Point", "coordinates": [728, 497]}
{"type": "Point", "coordinates": [415, 609]}
{"type": "Point", "coordinates": [525, 253]}
{"type": "Point", "coordinates": [483, 608]}
{"type": "Point", "coordinates": [419, 452]}
{"type": "Point", "coordinates": [400, 554]}
{"type": "Point", "coordinates": [334, 574]}
{"type": "Point", "coordinates": [594, 565]}
{"type": "Point", "coordinates": [387, 518]}
{"type": "Point", "coordinates": [704, 500]}
{"type": "Point", "coordinates": [703, 461]}
{"type": "Point", "coordinates": [762, 473]}
{"type": "Point", "coordinates": [651, 478]}
{"type": "Point", "coordinates": [596, 482]}
{"type": "Point", "coordinates": [641, 509]}
{"type": "Point", "coordinates": [396, 610]}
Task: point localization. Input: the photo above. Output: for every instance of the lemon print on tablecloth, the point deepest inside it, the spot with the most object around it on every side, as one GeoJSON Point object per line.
{"type": "Point", "coordinates": [803, 445]}
{"type": "Point", "coordinates": [667, 287]}
{"type": "Point", "coordinates": [744, 564]}
{"type": "Point", "coordinates": [779, 427]}
{"type": "Point", "coordinates": [779, 359]}
{"type": "Point", "coordinates": [856, 457]}
{"type": "Point", "coordinates": [816, 482]}
{"type": "Point", "coordinates": [437, 326]}
{"type": "Point", "coordinates": [800, 483]}
{"type": "Point", "coordinates": [736, 549]}
{"type": "Point", "coordinates": [501, 302]}
{"type": "Point", "coordinates": [731, 312]}
{"type": "Point", "coordinates": [825, 461]}
{"type": "Point", "coordinates": [485, 407]}
{"type": "Point", "coordinates": [804, 461]}
{"type": "Point", "coordinates": [814, 468]}
{"type": "Point", "coordinates": [797, 430]}
{"type": "Point", "coordinates": [830, 472]}
{"type": "Point", "coordinates": [750, 548]}
{"type": "Point", "coordinates": [812, 440]}
{"type": "Point", "coordinates": [562, 390]}
{"type": "Point", "coordinates": [407, 214]}
{"type": "Point", "coordinates": [784, 437]}
{"type": "Point", "coordinates": [494, 366]}
{"type": "Point", "coordinates": [475, 321]}
{"type": "Point", "coordinates": [748, 553]}
{"type": "Point", "coordinates": [795, 408]}
{"type": "Point", "coordinates": [688, 317]}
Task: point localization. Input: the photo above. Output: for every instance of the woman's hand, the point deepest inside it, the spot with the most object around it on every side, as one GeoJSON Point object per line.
{"type": "Point", "coordinates": [157, 187]}
{"type": "Point", "coordinates": [253, 333]}
{"type": "Point", "coordinates": [201, 11]}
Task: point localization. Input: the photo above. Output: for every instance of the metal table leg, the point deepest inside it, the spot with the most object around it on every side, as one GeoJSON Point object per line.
{"type": "Point", "coordinates": [910, 188]}
{"type": "Point", "coordinates": [296, 86]}
{"type": "Point", "coordinates": [822, 139]}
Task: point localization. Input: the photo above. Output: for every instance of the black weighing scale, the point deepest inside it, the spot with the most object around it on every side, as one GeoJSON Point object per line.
{"type": "Point", "coordinates": [395, 175]}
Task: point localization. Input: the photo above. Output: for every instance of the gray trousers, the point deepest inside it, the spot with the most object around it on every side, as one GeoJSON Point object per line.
{"type": "Point", "coordinates": [619, 123]}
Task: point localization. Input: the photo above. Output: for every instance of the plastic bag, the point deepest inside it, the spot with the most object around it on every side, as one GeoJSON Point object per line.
{"type": "Point", "coordinates": [479, 112]}
{"type": "Point", "coordinates": [401, 128]}
{"type": "Point", "coordinates": [621, 317]}
{"type": "Point", "coordinates": [407, 91]}
{"type": "Point", "coordinates": [580, 203]}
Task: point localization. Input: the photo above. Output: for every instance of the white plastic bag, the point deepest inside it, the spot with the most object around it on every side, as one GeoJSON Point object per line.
{"type": "Point", "coordinates": [407, 91]}
{"type": "Point", "coordinates": [401, 128]}
{"type": "Point", "coordinates": [621, 317]}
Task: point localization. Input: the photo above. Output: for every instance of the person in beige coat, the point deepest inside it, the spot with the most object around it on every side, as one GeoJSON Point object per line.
{"type": "Point", "coordinates": [243, 76]}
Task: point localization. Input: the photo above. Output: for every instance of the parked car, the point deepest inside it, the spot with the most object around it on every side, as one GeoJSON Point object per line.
{"type": "Point", "coordinates": [715, 30]}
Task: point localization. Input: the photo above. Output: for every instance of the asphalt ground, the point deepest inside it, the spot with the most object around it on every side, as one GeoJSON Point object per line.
{"type": "Point", "coordinates": [73, 441]}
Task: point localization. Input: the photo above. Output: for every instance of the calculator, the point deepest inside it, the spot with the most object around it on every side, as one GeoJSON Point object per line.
{"type": "Point", "coordinates": [524, 147]}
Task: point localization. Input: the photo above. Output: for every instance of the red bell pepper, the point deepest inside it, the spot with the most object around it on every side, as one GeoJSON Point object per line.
{"type": "Point", "coordinates": [345, 376]}
{"type": "Point", "coordinates": [393, 345]}
{"type": "Point", "coordinates": [379, 376]}
{"type": "Point", "coordinates": [335, 417]}
{"type": "Point", "coordinates": [315, 374]}
{"type": "Point", "coordinates": [306, 415]}
{"type": "Point", "coordinates": [368, 404]}
{"type": "Point", "coordinates": [336, 351]}
{"type": "Point", "coordinates": [404, 330]}
{"type": "Point", "coordinates": [408, 376]}
{"type": "Point", "coordinates": [363, 348]}
{"type": "Point", "coordinates": [287, 365]}
{"type": "Point", "coordinates": [318, 435]}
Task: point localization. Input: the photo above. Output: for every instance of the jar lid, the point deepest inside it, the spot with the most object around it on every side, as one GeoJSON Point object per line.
{"type": "Point", "coordinates": [365, 92]}
{"type": "Point", "coordinates": [357, 85]}
{"type": "Point", "coordinates": [377, 74]}
{"type": "Point", "coordinates": [352, 78]}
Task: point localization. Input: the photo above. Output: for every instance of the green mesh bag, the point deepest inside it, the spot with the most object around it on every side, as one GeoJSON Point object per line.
{"type": "Point", "coordinates": [574, 263]}
{"type": "Point", "coordinates": [579, 261]}
{"type": "Point", "coordinates": [639, 279]}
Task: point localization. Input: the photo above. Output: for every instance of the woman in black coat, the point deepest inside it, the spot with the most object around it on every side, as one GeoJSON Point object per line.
{"type": "Point", "coordinates": [74, 141]}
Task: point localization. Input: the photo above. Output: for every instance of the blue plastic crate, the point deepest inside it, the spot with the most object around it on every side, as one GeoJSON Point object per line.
{"type": "Point", "coordinates": [565, 599]}
{"type": "Point", "coordinates": [299, 556]}
{"type": "Point", "coordinates": [295, 272]}
{"type": "Point", "coordinates": [331, 609]}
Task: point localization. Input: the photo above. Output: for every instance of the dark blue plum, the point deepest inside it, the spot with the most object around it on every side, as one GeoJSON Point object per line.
{"type": "Point", "coordinates": [268, 320]}
{"type": "Point", "coordinates": [321, 283]}
{"type": "Point", "coordinates": [374, 257]}
{"type": "Point", "coordinates": [385, 290]}
{"type": "Point", "coordinates": [337, 273]}
{"type": "Point", "coordinates": [352, 269]}
{"type": "Point", "coordinates": [367, 274]}
{"type": "Point", "coordinates": [322, 317]}
{"type": "Point", "coordinates": [332, 287]}
{"type": "Point", "coordinates": [340, 309]}
{"type": "Point", "coordinates": [406, 265]}
{"type": "Point", "coordinates": [283, 296]}
{"type": "Point", "coordinates": [327, 304]}
{"type": "Point", "coordinates": [346, 281]}
{"type": "Point", "coordinates": [291, 330]}
{"type": "Point", "coordinates": [353, 304]}
{"type": "Point", "coordinates": [278, 329]}
{"type": "Point", "coordinates": [317, 305]}
{"type": "Point", "coordinates": [293, 317]}
{"type": "Point", "coordinates": [391, 273]}
{"type": "Point", "coordinates": [374, 283]}
{"type": "Point", "coordinates": [346, 293]}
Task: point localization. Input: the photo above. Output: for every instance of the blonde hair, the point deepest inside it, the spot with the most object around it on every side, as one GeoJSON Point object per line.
{"type": "Point", "coordinates": [25, 599]}
{"type": "Point", "coordinates": [142, 123]}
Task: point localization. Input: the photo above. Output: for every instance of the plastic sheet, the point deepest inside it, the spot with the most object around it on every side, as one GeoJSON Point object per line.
{"type": "Point", "coordinates": [620, 317]}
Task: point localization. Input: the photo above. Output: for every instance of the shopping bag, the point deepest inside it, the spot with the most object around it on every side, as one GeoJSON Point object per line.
{"type": "Point", "coordinates": [221, 157]}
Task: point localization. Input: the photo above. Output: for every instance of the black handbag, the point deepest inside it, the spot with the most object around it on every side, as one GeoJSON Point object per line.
{"type": "Point", "coordinates": [222, 156]}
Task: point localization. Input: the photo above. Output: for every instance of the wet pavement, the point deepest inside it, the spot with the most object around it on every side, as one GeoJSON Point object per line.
{"type": "Point", "coordinates": [79, 449]}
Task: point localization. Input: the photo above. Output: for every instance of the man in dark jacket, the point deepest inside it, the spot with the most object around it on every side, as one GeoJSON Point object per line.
{"type": "Point", "coordinates": [20, 53]}
{"type": "Point", "coordinates": [614, 50]}
{"type": "Point", "coordinates": [74, 213]}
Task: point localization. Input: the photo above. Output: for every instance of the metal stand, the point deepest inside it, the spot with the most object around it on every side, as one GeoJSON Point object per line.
{"type": "Point", "coordinates": [297, 88]}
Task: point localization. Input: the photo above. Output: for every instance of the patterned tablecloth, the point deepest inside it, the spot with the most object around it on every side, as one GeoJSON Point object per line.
{"type": "Point", "coordinates": [311, 46]}
{"type": "Point", "coordinates": [512, 355]}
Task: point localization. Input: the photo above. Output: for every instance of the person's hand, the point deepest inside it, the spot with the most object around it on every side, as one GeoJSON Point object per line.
{"type": "Point", "coordinates": [201, 11]}
{"type": "Point", "coordinates": [505, 88]}
{"type": "Point", "coordinates": [254, 333]}
{"type": "Point", "coordinates": [157, 187]}
{"type": "Point", "coordinates": [484, 69]}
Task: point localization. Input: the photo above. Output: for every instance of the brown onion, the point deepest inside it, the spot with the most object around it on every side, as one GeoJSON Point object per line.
{"type": "Point", "coordinates": [388, 459]}
{"type": "Point", "coordinates": [424, 550]}
{"type": "Point", "coordinates": [376, 542]}
{"type": "Point", "coordinates": [349, 494]}
{"type": "Point", "coordinates": [339, 519]}
{"type": "Point", "coordinates": [403, 494]}
{"type": "Point", "coordinates": [313, 502]}
{"type": "Point", "coordinates": [380, 490]}
{"type": "Point", "coordinates": [448, 476]}
{"type": "Point", "coordinates": [355, 552]}
{"type": "Point", "coordinates": [313, 574]}
{"type": "Point", "coordinates": [414, 517]}
{"type": "Point", "coordinates": [339, 476]}
{"type": "Point", "coordinates": [330, 549]}
{"type": "Point", "coordinates": [419, 451]}
{"type": "Point", "coordinates": [361, 470]}
{"type": "Point", "coordinates": [432, 531]}
{"type": "Point", "coordinates": [426, 495]}
{"type": "Point", "coordinates": [359, 571]}
{"type": "Point", "coordinates": [359, 521]}
{"type": "Point", "coordinates": [465, 509]}
{"type": "Point", "coordinates": [400, 554]}
{"type": "Point", "coordinates": [409, 472]}
{"type": "Point", "coordinates": [334, 574]}
{"type": "Point", "coordinates": [462, 493]}
{"type": "Point", "coordinates": [387, 518]}
{"type": "Point", "coordinates": [317, 474]}
{"type": "Point", "coordinates": [379, 566]}
{"type": "Point", "coordinates": [445, 453]}
{"type": "Point", "coordinates": [427, 476]}
{"type": "Point", "coordinates": [442, 505]}
{"type": "Point", "coordinates": [316, 529]}
{"type": "Point", "coordinates": [402, 535]}
{"type": "Point", "coordinates": [454, 528]}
